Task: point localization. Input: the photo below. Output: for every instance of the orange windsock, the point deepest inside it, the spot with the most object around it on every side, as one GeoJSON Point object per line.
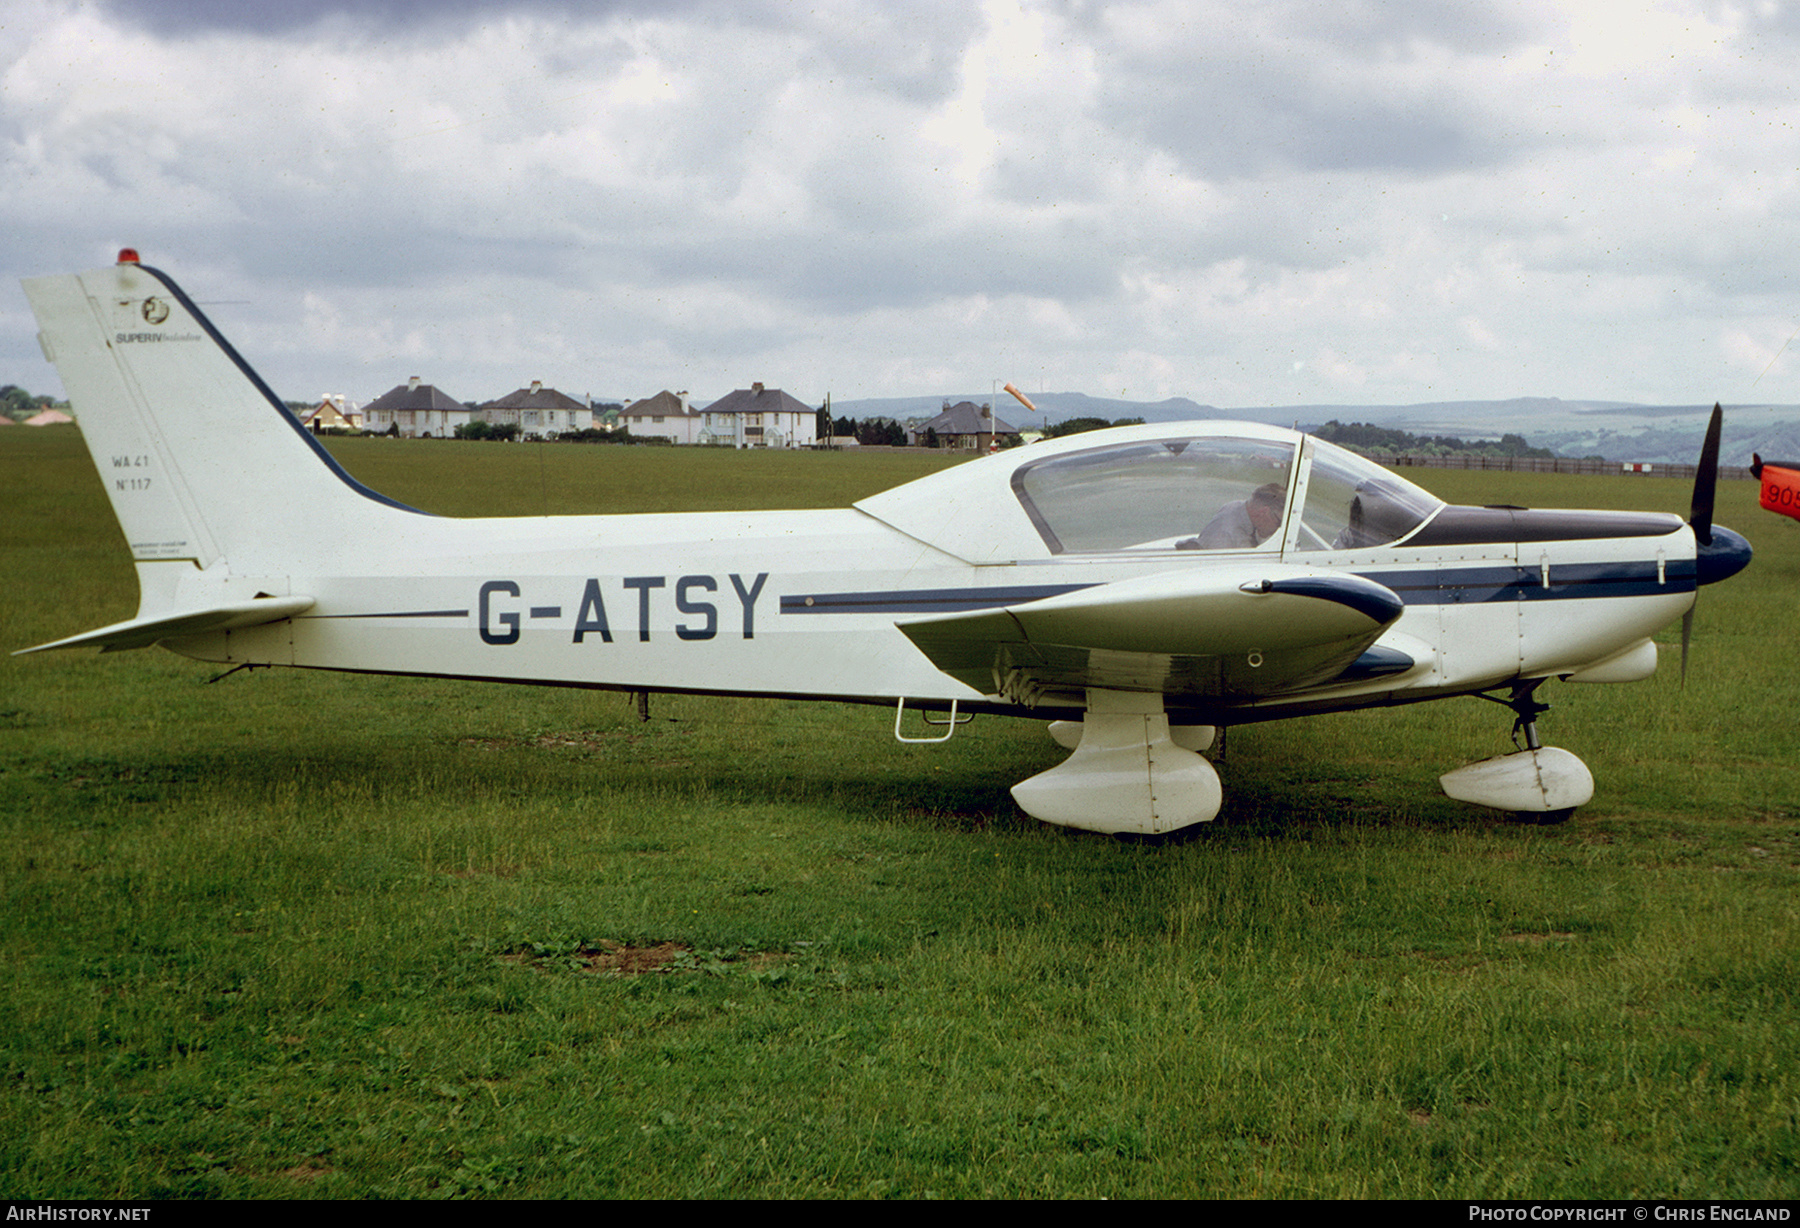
{"type": "Point", "coordinates": [1020, 397]}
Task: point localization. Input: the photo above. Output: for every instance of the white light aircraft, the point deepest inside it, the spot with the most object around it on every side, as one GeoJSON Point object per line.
{"type": "Point", "coordinates": [1138, 586]}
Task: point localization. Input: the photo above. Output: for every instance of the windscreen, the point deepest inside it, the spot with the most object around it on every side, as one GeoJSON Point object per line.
{"type": "Point", "coordinates": [1352, 503]}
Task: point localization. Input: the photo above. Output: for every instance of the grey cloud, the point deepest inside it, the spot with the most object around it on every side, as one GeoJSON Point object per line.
{"type": "Point", "coordinates": [174, 18]}
{"type": "Point", "coordinates": [911, 49]}
{"type": "Point", "coordinates": [840, 271]}
{"type": "Point", "coordinates": [1470, 27]}
{"type": "Point", "coordinates": [1242, 92]}
{"type": "Point", "coordinates": [1232, 117]}
{"type": "Point", "coordinates": [1364, 27]}
{"type": "Point", "coordinates": [1210, 200]}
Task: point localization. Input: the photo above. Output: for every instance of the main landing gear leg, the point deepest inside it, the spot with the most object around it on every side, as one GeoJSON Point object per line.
{"type": "Point", "coordinates": [1541, 784]}
{"type": "Point", "coordinates": [1126, 775]}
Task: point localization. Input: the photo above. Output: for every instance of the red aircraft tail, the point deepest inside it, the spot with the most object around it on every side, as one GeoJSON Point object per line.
{"type": "Point", "coordinates": [1780, 485]}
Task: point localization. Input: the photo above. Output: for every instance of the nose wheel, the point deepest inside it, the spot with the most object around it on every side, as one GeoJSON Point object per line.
{"type": "Point", "coordinates": [1536, 783]}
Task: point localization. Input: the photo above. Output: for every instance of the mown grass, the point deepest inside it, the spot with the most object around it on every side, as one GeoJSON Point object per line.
{"type": "Point", "coordinates": [298, 935]}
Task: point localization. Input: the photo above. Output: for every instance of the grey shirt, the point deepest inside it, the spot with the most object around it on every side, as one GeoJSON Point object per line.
{"type": "Point", "coordinates": [1231, 529]}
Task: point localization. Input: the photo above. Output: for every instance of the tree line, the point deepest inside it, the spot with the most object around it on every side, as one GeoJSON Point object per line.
{"type": "Point", "coordinates": [870, 432]}
{"type": "Point", "coordinates": [1367, 437]}
{"type": "Point", "coordinates": [19, 405]}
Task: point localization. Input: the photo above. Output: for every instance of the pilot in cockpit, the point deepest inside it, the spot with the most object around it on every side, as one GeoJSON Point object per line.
{"type": "Point", "coordinates": [1241, 523]}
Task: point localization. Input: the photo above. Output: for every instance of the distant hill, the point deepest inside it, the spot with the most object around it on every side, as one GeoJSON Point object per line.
{"type": "Point", "coordinates": [1055, 407]}
{"type": "Point", "coordinates": [1616, 430]}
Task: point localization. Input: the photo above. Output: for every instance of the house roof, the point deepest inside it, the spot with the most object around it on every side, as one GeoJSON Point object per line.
{"type": "Point", "coordinates": [758, 400]}
{"type": "Point", "coordinates": [329, 407]}
{"type": "Point", "coordinates": [964, 418]}
{"type": "Point", "coordinates": [664, 404]}
{"type": "Point", "coordinates": [535, 397]}
{"type": "Point", "coordinates": [406, 396]}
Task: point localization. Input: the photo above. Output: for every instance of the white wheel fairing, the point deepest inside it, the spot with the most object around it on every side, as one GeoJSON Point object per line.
{"type": "Point", "coordinates": [1531, 781]}
{"type": "Point", "coordinates": [1127, 776]}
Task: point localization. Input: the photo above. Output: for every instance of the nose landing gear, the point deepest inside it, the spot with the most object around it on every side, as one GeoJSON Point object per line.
{"type": "Point", "coordinates": [1536, 783]}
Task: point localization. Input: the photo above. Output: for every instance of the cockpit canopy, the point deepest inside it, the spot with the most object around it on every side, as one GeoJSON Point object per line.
{"type": "Point", "coordinates": [1183, 487]}
{"type": "Point", "coordinates": [1167, 494]}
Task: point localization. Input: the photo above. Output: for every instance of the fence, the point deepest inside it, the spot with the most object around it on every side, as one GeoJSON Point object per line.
{"type": "Point", "coordinates": [1552, 464]}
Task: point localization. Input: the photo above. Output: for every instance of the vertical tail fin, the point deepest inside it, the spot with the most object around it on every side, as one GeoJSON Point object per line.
{"type": "Point", "coordinates": [206, 470]}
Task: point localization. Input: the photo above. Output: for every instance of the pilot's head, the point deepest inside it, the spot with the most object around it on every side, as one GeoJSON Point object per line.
{"type": "Point", "coordinates": [1265, 509]}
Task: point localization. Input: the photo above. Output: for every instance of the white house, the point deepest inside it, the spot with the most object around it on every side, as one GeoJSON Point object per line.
{"type": "Point", "coordinates": [758, 417]}
{"type": "Point", "coordinates": [666, 415]}
{"type": "Point", "coordinates": [538, 412]}
{"type": "Point", "coordinates": [416, 411]}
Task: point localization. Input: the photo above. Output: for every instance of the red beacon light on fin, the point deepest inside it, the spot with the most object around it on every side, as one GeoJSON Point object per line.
{"type": "Point", "coordinates": [128, 255]}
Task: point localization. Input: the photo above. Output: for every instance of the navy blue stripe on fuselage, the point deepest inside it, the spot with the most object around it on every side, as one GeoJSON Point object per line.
{"type": "Point", "coordinates": [1568, 581]}
{"type": "Point", "coordinates": [1423, 586]}
{"type": "Point", "coordinates": [398, 614]}
{"type": "Point", "coordinates": [923, 600]}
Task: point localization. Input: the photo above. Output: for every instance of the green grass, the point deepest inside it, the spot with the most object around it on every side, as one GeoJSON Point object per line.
{"type": "Point", "coordinates": [306, 935]}
{"type": "Point", "coordinates": [454, 478]}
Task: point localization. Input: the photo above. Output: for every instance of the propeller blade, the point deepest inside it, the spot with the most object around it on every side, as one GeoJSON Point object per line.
{"type": "Point", "coordinates": [1706, 480]}
{"type": "Point", "coordinates": [1700, 514]}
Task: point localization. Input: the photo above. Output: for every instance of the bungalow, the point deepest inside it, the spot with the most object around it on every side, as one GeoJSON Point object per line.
{"type": "Point", "coordinates": [333, 412]}
{"type": "Point", "coordinates": [963, 425]}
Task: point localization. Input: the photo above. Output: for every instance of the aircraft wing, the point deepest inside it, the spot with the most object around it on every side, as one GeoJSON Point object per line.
{"type": "Point", "coordinates": [1238, 631]}
{"type": "Point", "coordinates": [143, 632]}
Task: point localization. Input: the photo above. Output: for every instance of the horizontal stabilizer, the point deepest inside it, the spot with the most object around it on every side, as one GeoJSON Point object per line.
{"type": "Point", "coordinates": [143, 632]}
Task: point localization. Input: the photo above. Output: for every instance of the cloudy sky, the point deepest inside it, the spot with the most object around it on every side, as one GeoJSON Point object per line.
{"type": "Point", "coordinates": [1247, 204]}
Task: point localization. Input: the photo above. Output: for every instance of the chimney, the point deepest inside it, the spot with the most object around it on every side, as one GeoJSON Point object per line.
{"type": "Point", "coordinates": [412, 384]}
{"type": "Point", "coordinates": [537, 385]}
{"type": "Point", "coordinates": [756, 390]}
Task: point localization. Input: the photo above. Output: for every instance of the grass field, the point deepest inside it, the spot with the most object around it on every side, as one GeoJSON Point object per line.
{"type": "Point", "coordinates": [308, 935]}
